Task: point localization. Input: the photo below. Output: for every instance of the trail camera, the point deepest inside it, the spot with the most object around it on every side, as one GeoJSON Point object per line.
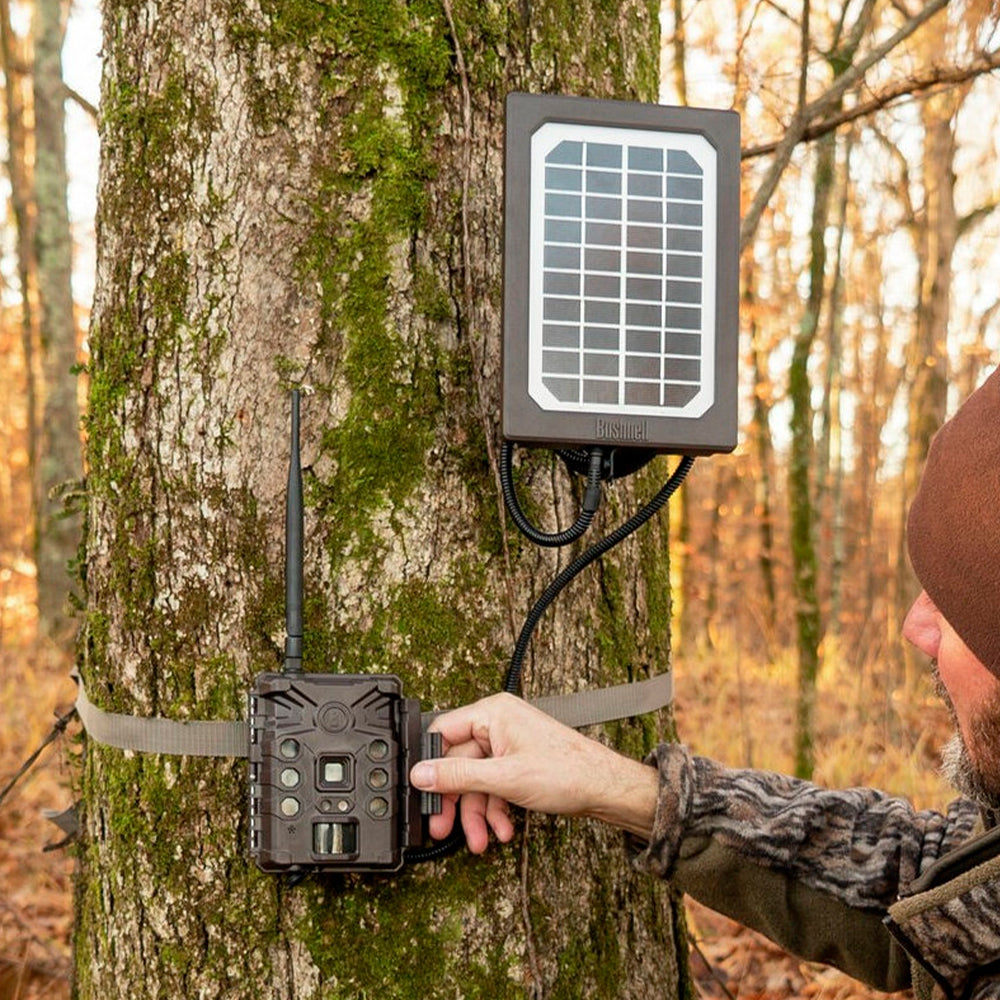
{"type": "Point", "coordinates": [621, 232]}
{"type": "Point", "coordinates": [330, 754]}
{"type": "Point", "coordinates": [329, 759]}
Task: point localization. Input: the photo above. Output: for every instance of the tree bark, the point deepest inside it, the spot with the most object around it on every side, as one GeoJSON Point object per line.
{"type": "Point", "coordinates": [760, 434]}
{"type": "Point", "coordinates": [802, 514]}
{"type": "Point", "coordinates": [310, 193]}
{"type": "Point", "coordinates": [830, 465]}
{"type": "Point", "coordinates": [803, 500]}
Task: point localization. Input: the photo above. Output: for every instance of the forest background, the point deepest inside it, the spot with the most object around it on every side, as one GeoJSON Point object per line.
{"type": "Point", "coordinates": [870, 309]}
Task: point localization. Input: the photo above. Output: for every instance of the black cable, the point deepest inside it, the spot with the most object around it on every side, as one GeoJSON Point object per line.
{"type": "Point", "coordinates": [293, 550]}
{"type": "Point", "coordinates": [512, 682]}
{"type": "Point", "coordinates": [618, 462]}
{"type": "Point", "coordinates": [591, 499]}
{"type": "Point", "coordinates": [442, 849]}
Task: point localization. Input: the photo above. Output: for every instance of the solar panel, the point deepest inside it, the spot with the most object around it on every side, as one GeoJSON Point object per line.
{"type": "Point", "coordinates": [613, 251]}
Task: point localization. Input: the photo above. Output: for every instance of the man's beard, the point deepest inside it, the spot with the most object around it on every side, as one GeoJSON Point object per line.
{"type": "Point", "coordinates": [973, 767]}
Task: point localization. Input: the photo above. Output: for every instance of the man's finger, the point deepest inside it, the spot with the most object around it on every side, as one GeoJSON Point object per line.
{"type": "Point", "coordinates": [473, 723]}
{"type": "Point", "coordinates": [440, 824]}
{"type": "Point", "coordinates": [498, 817]}
{"type": "Point", "coordinates": [473, 810]}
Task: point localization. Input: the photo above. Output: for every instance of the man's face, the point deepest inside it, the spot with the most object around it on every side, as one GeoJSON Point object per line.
{"type": "Point", "coordinates": [972, 760]}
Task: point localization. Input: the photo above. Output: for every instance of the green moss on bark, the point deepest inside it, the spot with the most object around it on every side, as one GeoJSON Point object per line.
{"type": "Point", "coordinates": [419, 935]}
{"type": "Point", "coordinates": [197, 865]}
{"type": "Point", "coordinates": [421, 632]}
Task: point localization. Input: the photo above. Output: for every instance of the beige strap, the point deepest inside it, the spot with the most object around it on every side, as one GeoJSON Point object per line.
{"type": "Point", "coordinates": [157, 735]}
{"type": "Point", "coordinates": [229, 739]}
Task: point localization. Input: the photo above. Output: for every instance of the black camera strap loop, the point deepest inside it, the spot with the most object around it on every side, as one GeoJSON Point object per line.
{"type": "Point", "coordinates": [201, 738]}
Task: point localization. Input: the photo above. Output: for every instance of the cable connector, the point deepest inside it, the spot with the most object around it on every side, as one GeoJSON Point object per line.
{"type": "Point", "coordinates": [593, 494]}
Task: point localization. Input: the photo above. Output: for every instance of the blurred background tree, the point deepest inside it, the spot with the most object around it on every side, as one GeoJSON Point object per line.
{"type": "Point", "coordinates": [35, 95]}
{"type": "Point", "coordinates": [857, 118]}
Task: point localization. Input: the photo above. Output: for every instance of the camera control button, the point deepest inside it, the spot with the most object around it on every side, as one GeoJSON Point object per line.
{"type": "Point", "coordinates": [333, 717]}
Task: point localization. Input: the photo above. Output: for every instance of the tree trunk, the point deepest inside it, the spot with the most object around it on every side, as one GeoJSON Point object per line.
{"type": "Point", "coordinates": [15, 53]}
{"type": "Point", "coordinates": [802, 499]}
{"type": "Point", "coordinates": [678, 48]}
{"type": "Point", "coordinates": [760, 434]}
{"type": "Point", "coordinates": [311, 193]}
{"type": "Point", "coordinates": [808, 621]}
{"type": "Point", "coordinates": [830, 466]}
{"type": "Point", "coordinates": [60, 459]}
{"type": "Point", "coordinates": [927, 358]}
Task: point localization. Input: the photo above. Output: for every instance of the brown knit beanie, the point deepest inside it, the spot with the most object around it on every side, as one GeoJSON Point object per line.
{"type": "Point", "coordinates": [953, 531]}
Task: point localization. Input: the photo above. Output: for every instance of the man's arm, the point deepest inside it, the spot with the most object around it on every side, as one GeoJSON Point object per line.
{"type": "Point", "coordinates": [812, 868]}
{"type": "Point", "coordinates": [502, 751]}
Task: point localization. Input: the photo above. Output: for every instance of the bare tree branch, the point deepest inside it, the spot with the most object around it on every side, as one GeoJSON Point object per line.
{"type": "Point", "coordinates": [800, 100]}
{"type": "Point", "coordinates": [970, 220]}
{"type": "Point", "coordinates": [939, 78]}
{"type": "Point", "coordinates": [820, 107]}
{"type": "Point", "coordinates": [80, 100]}
{"type": "Point", "coordinates": [781, 10]}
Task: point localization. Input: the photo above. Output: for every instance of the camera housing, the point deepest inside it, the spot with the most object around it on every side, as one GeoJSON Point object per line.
{"type": "Point", "coordinates": [330, 756]}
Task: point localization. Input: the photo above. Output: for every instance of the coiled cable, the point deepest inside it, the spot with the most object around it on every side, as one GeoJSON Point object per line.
{"type": "Point", "coordinates": [588, 508]}
{"type": "Point", "coordinates": [512, 681]}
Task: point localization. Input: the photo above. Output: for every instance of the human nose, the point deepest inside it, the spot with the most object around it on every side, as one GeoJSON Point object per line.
{"type": "Point", "coordinates": [922, 627]}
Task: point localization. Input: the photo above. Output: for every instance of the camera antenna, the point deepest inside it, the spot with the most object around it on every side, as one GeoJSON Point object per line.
{"type": "Point", "coordinates": [293, 551]}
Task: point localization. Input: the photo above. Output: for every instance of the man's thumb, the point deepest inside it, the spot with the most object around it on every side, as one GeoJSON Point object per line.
{"type": "Point", "coordinates": [450, 775]}
{"type": "Point", "coordinates": [422, 776]}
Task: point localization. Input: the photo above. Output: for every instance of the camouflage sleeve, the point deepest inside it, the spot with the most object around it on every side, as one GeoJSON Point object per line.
{"type": "Point", "coordinates": [813, 869]}
{"type": "Point", "coordinates": [949, 921]}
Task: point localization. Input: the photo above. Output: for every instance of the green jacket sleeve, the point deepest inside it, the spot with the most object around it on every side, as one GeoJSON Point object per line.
{"type": "Point", "coordinates": [814, 869]}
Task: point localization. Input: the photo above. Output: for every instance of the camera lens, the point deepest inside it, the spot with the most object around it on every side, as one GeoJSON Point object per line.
{"type": "Point", "coordinates": [335, 838]}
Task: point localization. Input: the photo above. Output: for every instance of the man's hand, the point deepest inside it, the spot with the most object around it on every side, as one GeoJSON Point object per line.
{"type": "Point", "coordinates": [502, 751]}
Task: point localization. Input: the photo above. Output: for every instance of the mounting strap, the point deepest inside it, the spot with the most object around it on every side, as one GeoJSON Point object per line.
{"type": "Point", "coordinates": [230, 739]}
